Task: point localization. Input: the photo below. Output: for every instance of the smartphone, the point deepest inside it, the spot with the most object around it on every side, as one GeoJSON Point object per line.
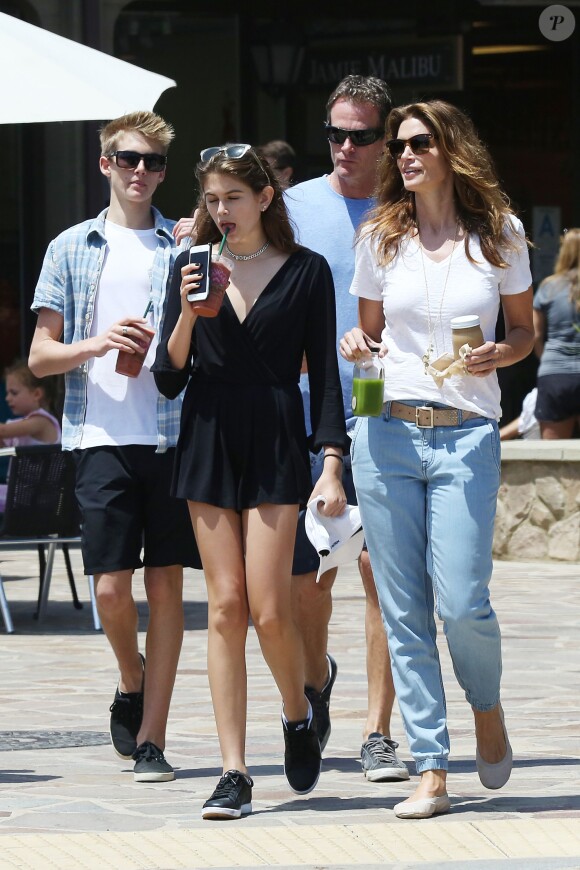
{"type": "Point", "coordinates": [200, 254]}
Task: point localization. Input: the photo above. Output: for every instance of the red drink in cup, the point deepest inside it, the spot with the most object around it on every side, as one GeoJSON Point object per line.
{"type": "Point", "coordinates": [220, 270]}
{"type": "Point", "coordinates": [130, 364]}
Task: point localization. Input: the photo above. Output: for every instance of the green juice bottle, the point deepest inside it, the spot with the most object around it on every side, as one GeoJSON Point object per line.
{"type": "Point", "coordinates": [368, 387]}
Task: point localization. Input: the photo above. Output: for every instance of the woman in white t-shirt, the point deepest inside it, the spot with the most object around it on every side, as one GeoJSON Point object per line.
{"type": "Point", "coordinates": [441, 243]}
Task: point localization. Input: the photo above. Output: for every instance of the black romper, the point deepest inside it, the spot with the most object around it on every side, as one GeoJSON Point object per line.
{"type": "Point", "coordinates": [242, 439]}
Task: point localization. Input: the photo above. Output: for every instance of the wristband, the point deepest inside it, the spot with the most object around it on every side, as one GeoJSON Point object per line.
{"type": "Point", "coordinates": [335, 455]}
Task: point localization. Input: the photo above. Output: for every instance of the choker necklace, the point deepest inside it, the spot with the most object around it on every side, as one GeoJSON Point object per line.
{"type": "Point", "coordinates": [426, 358]}
{"type": "Point", "coordinates": [247, 256]}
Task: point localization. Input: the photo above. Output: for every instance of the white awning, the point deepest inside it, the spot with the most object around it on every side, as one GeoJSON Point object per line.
{"type": "Point", "coordinates": [46, 77]}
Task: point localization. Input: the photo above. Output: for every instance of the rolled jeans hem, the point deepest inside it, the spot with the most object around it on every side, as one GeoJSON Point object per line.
{"type": "Point", "coordinates": [431, 764]}
{"type": "Point", "coordinates": [481, 708]}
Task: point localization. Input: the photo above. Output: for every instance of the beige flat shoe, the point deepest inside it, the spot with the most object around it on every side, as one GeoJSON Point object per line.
{"type": "Point", "coordinates": [496, 775]}
{"type": "Point", "coordinates": [422, 809]}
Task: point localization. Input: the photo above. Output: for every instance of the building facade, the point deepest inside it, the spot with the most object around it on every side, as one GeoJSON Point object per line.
{"type": "Point", "coordinates": [256, 74]}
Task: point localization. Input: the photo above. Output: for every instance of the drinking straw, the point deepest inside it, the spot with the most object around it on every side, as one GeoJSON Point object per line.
{"type": "Point", "coordinates": [148, 309]}
{"type": "Point", "coordinates": [223, 241]}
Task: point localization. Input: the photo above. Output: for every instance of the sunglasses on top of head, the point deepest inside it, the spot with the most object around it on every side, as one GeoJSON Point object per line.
{"type": "Point", "coordinates": [419, 144]}
{"type": "Point", "coordinates": [132, 159]}
{"type": "Point", "coordinates": [235, 151]}
{"type": "Point", "coordinates": [368, 136]}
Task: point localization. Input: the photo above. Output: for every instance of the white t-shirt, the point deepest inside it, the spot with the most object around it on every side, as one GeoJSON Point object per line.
{"type": "Point", "coordinates": [122, 410]}
{"type": "Point", "coordinates": [471, 289]}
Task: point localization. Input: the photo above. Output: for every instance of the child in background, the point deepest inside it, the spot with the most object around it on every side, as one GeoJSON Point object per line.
{"type": "Point", "coordinates": [525, 426]}
{"type": "Point", "coordinates": [29, 399]}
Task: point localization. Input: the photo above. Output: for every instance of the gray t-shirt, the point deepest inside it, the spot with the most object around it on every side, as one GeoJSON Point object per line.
{"type": "Point", "coordinates": [561, 353]}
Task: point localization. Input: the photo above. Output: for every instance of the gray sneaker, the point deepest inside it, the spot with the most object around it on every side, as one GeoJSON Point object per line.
{"type": "Point", "coordinates": [379, 760]}
{"type": "Point", "coordinates": [150, 764]}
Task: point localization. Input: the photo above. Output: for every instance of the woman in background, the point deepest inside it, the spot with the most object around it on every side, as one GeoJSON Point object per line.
{"type": "Point", "coordinates": [557, 343]}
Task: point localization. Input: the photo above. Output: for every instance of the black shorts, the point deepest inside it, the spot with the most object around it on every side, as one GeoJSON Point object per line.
{"type": "Point", "coordinates": [123, 495]}
{"type": "Point", "coordinates": [306, 559]}
{"type": "Point", "coordinates": [558, 397]}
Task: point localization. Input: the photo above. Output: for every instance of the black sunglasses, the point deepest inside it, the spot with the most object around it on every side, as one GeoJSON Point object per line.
{"type": "Point", "coordinates": [419, 144]}
{"type": "Point", "coordinates": [132, 159]}
{"type": "Point", "coordinates": [357, 137]}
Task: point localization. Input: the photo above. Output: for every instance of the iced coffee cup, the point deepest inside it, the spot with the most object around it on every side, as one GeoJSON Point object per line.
{"type": "Point", "coordinates": [220, 270]}
{"type": "Point", "coordinates": [130, 364]}
{"type": "Point", "coordinates": [466, 330]}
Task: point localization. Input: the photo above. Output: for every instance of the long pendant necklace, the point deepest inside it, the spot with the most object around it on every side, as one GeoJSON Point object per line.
{"type": "Point", "coordinates": [247, 256]}
{"type": "Point", "coordinates": [432, 346]}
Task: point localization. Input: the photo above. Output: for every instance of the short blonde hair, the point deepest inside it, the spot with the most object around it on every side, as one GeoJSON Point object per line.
{"type": "Point", "coordinates": [147, 123]}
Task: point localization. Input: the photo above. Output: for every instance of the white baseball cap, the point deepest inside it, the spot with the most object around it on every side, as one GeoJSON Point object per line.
{"type": "Point", "coordinates": [337, 540]}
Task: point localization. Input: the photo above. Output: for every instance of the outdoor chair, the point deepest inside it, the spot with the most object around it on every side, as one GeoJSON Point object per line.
{"type": "Point", "coordinates": [42, 510]}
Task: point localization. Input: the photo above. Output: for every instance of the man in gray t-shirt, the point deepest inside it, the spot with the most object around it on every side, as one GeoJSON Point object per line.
{"type": "Point", "coordinates": [326, 213]}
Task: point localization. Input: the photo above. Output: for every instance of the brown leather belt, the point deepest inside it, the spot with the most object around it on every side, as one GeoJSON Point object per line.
{"type": "Point", "coordinates": [426, 417]}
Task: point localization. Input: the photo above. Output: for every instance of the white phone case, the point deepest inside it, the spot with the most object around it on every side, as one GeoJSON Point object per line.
{"type": "Point", "coordinates": [200, 254]}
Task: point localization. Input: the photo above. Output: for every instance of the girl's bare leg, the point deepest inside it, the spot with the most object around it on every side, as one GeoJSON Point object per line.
{"type": "Point", "coordinates": [219, 539]}
{"type": "Point", "coordinates": [269, 534]}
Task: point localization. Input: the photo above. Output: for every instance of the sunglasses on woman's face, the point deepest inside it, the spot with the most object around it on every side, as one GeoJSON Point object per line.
{"type": "Point", "coordinates": [419, 144]}
{"type": "Point", "coordinates": [368, 136]}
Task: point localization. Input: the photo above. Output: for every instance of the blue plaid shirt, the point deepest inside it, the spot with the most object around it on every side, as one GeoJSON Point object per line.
{"type": "Point", "coordinates": [68, 284]}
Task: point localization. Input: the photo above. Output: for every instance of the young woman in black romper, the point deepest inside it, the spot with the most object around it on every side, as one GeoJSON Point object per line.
{"type": "Point", "coordinates": [242, 458]}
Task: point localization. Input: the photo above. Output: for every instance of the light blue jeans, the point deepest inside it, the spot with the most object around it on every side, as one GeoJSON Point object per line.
{"type": "Point", "coordinates": [427, 499]}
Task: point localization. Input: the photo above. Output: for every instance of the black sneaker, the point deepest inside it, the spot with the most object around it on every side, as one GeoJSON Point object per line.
{"type": "Point", "coordinates": [320, 702]}
{"type": "Point", "coordinates": [126, 717]}
{"type": "Point", "coordinates": [232, 797]}
{"type": "Point", "coordinates": [150, 764]}
{"type": "Point", "coordinates": [302, 760]}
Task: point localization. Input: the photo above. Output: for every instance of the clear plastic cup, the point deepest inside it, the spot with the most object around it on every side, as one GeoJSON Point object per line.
{"type": "Point", "coordinates": [368, 384]}
{"type": "Point", "coordinates": [220, 270]}
{"type": "Point", "coordinates": [130, 364]}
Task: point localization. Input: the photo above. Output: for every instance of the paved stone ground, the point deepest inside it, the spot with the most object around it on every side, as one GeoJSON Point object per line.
{"type": "Point", "coordinates": [66, 800]}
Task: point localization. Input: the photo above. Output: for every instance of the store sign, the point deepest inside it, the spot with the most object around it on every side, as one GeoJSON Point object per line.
{"type": "Point", "coordinates": [436, 64]}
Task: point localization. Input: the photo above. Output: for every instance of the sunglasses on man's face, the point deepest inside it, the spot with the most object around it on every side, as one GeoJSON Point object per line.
{"type": "Point", "coordinates": [357, 137]}
{"type": "Point", "coordinates": [419, 144]}
{"type": "Point", "coordinates": [132, 159]}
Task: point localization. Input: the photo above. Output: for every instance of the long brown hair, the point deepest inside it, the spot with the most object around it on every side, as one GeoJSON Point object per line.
{"type": "Point", "coordinates": [255, 172]}
{"type": "Point", "coordinates": [482, 206]}
{"type": "Point", "coordinates": [568, 263]}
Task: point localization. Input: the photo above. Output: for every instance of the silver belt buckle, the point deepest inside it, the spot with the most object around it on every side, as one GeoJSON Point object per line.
{"type": "Point", "coordinates": [428, 409]}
